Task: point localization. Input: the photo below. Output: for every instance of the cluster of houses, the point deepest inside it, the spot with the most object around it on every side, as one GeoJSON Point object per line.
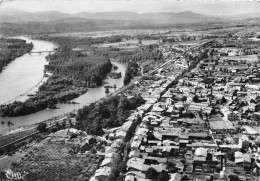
{"type": "Point", "coordinates": [201, 125]}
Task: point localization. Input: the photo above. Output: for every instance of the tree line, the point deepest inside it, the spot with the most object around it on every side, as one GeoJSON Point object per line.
{"type": "Point", "coordinates": [110, 113]}
{"type": "Point", "coordinates": [11, 49]}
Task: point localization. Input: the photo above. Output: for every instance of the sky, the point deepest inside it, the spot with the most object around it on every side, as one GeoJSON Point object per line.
{"type": "Point", "coordinates": [213, 7]}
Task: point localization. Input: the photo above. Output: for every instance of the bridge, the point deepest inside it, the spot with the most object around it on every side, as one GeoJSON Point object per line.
{"type": "Point", "coordinates": [53, 51]}
{"type": "Point", "coordinates": [40, 52]}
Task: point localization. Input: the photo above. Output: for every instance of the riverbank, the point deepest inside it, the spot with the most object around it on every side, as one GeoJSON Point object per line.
{"type": "Point", "coordinates": [69, 80]}
{"type": "Point", "coordinates": [12, 49]}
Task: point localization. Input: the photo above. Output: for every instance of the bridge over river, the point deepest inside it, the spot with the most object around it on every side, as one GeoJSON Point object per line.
{"type": "Point", "coordinates": [53, 51]}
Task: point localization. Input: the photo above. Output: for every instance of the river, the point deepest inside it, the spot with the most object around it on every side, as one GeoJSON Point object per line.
{"type": "Point", "coordinates": [25, 72]}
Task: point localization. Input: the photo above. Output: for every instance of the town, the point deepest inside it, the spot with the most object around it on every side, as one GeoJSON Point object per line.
{"type": "Point", "coordinates": [129, 90]}
{"type": "Point", "coordinates": [199, 121]}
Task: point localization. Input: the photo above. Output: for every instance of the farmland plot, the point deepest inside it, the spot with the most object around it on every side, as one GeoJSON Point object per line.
{"type": "Point", "coordinates": [52, 161]}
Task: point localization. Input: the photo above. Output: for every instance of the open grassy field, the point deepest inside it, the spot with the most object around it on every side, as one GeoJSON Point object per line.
{"type": "Point", "coordinates": [52, 161]}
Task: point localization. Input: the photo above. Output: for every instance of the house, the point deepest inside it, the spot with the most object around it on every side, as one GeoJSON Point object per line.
{"type": "Point", "coordinates": [137, 164]}
{"type": "Point", "coordinates": [120, 134]}
{"type": "Point", "coordinates": [103, 173]}
{"type": "Point", "coordinates": [222, 126]}
{"type": "Point", "coordinates": [234, 116]}
{"type": "Point", "coordinates": [136, 144]}
{"type": "Point", "coordinates": [256, 116]}
{"type": "Point", "coordinates": [129, 178]}
{"type": "Point", "coordinates": [242, 158]}
{"type": "Point", "coordinates": [158, 159]}
{"type": "Point", "coordinates": [134, 153]}
{"type": "Point", "coordinates": [175, 177]}
{"type": "Point", "coordinates": [199, 136]}
{"type": "Point", "coordinates": [111, 136]}
{"type": "Point", "coordinates": [107, 162]}
{"type": "Point", "coordinates": [159, 108]}
{"type": "Point", "coordinates": [200, 154]}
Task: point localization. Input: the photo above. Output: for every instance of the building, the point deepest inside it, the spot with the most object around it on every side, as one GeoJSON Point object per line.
{"type": "Point", "coordinates": [256, 116]}
{"type": "Point", "coordinates": [222, 126]}
{"type": "Point", "coordinates": [103, 173]}
{"type": "Point", "coordinates": [200, 154]}
{"type": "Point", "coordinates": [234, 116]}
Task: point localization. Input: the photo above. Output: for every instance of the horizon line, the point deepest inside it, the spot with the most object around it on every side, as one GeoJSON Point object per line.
{"type": "Point", "coordinates": [154, 12]}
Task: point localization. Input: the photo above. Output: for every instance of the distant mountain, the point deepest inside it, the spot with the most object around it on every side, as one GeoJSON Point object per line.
{"type": "Point", "coordinates": [13, 15]}
{"type": "Point", "coordinates": [14, 22]}
{"type": "Point", "coordinates": [186, 16]}
{"type": "Point", "coordinates": [244, 16]}
{"type": "Point", "coordinates": [161, 17]}
{"type": "Point", "coordinates": [124, 15]}
{"type": "Point", "coordinates": [53, 15]}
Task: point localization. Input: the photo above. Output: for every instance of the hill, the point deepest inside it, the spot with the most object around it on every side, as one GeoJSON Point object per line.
{"type": "Point", "coordinates": [13, 15]}
{"type": "Point", "coordinates": [14, 22]}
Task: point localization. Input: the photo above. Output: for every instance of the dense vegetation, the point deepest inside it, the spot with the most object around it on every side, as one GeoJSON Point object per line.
{"type": "Point", "coordinates": [83, 43]}
{"type": "Point", "coordinates": [110, 113]}
{"type": "Point", "coordinates": [146, 53]}
{"type": "Point", "coordinates": [11, 49]}
{"type": "Point", "coordinates": [72, 72]}
{"type": "Point", "coordinates": [133, 57]}
{"type": "Point", "coordinates": [88, 68]}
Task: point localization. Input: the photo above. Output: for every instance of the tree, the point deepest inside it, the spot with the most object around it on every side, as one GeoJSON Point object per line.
{"type": "Point", "coordinates": [58, 126]}
{"type": "Point", "coordinates": [14, 164]}
{"type": "Point", "coordinates": [9, 123]}
{"type": "Point", "coordinates": [253, 101]}
{"type": "Point", "coordinates": [233, 177]}
{"type": "Point", "coordinates": [211, 178]}
{"type": "Point", "coordinates": [213, 111]}
{"type": "Point", "coordinates": [223, 100]}
{"type": "Point", "coordinates": [93, 151]}
{"type": "Point", "coordinates": [151, 173]}
{"type": "Point", "coordinates": [63, 125]}
{"type": "Point", "coordinates": [231, 155]}
{"type": "Point", "coordinates": [175, 153]}
{"type": "Point", "coordinates": [163, 176]}
{"type": "Point", "coordinates": [2, 175]}
{"type": "Point", "coordinates": [150, 136]}
{"type": "Point", "coordinates": [257, 107]}
{"type": "Point", "coordinates": [42, 127]}
{"type": "Point", "coordinates": [71, 124]}
{"type": "Point", "coordinates": [184, 178]}
{"type": "Point", "coordinates": [235, 93]}
{"type": "Point", "coordinates": [217, 169]}
{"type": "Point", "coordinates": [184, 99]}
{"type": "Point", "coordinates": [173, 170]}
{"type": "Point", "coordinates": [196, 99]}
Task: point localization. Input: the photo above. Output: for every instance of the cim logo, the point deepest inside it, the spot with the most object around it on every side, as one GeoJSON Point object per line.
{"type": "Point", "coordinates": [14, 175]}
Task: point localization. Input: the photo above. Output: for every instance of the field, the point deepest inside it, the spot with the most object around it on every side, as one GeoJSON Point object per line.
{"type": "Point", "coordinates": [131, 32]}
{"type": "Point", "coordinates": [52, 161]}
{"type": "Point", "coordinates": [6, 161]}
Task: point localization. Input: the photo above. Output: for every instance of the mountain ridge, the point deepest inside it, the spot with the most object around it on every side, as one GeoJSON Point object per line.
{"type": "Point", "coordinates": [15, 15]}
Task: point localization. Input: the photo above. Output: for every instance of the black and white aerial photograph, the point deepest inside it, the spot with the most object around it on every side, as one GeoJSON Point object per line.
{"type": "Point", "coordinates": [129, 90]}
